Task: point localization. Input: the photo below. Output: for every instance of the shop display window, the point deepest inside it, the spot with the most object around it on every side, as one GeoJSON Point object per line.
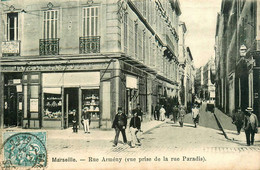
{"type": "Point", "coordinates": [90, 102]}
{"type": "Point", "coordinates": [52, 105]}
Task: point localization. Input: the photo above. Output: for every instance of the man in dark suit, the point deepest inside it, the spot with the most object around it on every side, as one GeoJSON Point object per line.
{"type": "Point", "coordinates": [119, 124]}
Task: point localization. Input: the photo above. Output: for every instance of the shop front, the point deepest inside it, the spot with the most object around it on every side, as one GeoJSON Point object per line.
{"type": "Point", "coordinates": [66, 94]}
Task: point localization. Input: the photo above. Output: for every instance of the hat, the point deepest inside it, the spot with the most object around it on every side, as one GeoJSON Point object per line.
{"type": "Point", "coordinates": [119, 108]}
{"type": "Point", "coordinates": [249, 109]}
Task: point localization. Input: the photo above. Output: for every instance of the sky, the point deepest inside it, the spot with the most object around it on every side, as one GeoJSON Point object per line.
{"type": "Point", "coordinates": [200, 18]}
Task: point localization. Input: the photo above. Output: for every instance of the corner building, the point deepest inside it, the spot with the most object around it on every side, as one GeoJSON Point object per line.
{"type": "Point", "coordinates": [61, 56]}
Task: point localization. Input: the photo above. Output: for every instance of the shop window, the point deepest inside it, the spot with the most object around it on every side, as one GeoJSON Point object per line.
{"type": "Point", "coordinates": [52, 103]}
{"type": "Point", "coordinates": [90, 102]}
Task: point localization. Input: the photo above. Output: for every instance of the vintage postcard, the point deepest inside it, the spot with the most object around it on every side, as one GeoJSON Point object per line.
{"type": "Point", "coordinates": [129, 84]}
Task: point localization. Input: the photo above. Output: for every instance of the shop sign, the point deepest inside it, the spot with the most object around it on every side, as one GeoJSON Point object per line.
{"type": "Point", "coordinates": [131, 82]}
{"type": "Point", "coordinates": [34, 105]}
{"type": "Point", "coordinates": [70, 67]}
{"type": "Point", "coordinates": [10, 47]}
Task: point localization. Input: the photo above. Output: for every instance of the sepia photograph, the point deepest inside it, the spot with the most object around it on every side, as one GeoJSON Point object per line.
{"type": "Point", "coordinates": [129, 84]}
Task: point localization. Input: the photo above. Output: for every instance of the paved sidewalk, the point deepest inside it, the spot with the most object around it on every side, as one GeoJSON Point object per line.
{"type": "Point", "coordinates": [230, 129]}
{"type": "Point", "coordinates": [95, 133]}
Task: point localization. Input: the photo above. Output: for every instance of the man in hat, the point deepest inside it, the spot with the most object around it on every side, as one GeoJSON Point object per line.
{"type": "Point", "coordinates": [119, 124]}
{"type": "Point", "coordinates": [250, 126]}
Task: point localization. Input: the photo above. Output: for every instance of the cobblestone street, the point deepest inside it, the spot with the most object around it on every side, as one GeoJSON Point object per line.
{"type": "Point", "coordinates": [169, 142]}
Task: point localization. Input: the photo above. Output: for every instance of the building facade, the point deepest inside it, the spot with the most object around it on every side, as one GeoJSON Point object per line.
{"type": "Point", "coordinates": [237, 56]}
{"type": "Point", "coordinates": [62, 56]}
{"type": "Point", "coordinates": [198, 83]}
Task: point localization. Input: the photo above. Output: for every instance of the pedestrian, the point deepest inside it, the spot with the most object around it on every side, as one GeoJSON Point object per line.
{"type": "Point", "coordinates": [195, 115]}
{"type": "Point", "coordinates": [250, 126]}
{"type": "Point", "coordinates": [156, 112]}
{"type": "Point", "coordinates": [119, 124]}
{"type": "Point", "coordinates": [135, 124]}
{"type": "Point", "coordinates": [175, 113]}
{"type": "Point", "coordinates": [182, 113]}
{"type": "Point", "coordinates": [139, 113]}
{"type": "Point", "coordinates": [238, 119]}
{"type": "Point", "coordinates": [75, 123]}
{"type": "Point", "coordinates": [162, 113]}
{"type": "Point", "coordinates": [86, 117]}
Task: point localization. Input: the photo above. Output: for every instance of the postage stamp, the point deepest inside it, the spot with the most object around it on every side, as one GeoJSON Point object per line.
{"type": "Point", "coordinates": [24, 149]}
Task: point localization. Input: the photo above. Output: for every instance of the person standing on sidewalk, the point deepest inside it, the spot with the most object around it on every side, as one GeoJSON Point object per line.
{"type": "Point", "coordinates": [195, 115]}
{"type": "Point", "coordinates": [175, 113]}
{"type": "Point", "coordinates": [86, 117]}
{"type": "Point", "coordinates": [135, 124]}
{"type": "Point", "coordinates": [156, 112]}
{"type": "Point", "coordinates": [162, 113]}
{"type": "Point", "coordinates": [250, 126]}
{"type": "Point", "coordinates": [119, 124]}
{"type": "Point", "coordinates": [75, 123]}
{"type": "Point", "coordinates": [181, 116]}
{"type": "Point", "coordinates": [237, 119]}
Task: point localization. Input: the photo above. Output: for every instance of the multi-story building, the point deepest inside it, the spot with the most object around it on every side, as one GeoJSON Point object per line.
{"type": "Point", "coordinates": [198, 83]}
{"type": "Point", "coordinates": [237, 56]}
{"type": "Point", "coordinates": [182, 61]}
{"type": "Point", "coordinates": [189, 79]}
{"type": "Point", "coordinates": [208, 86]}
{"type": "Point", "coordinates": [62, 56]}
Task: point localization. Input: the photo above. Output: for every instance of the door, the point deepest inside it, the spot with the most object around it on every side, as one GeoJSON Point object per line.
{"type": "Point", "coordinates": [71, 105]}
{"type": "Point", "coordinates": [10, 112]}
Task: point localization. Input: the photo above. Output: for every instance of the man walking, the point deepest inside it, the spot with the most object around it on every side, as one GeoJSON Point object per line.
{"type": "Point", "coordinates": [86, 117]}
{"type": "Point", "coordinates": [238, 120]}
{"type": "Point", "coordinates": [119, 124]}
{"type": "Point", "coordinates": [139, 112]}
{"type": "Point", "coordinates": [195, 115]}
{"type": "Point", "coordinates": [250, 126]}
{"type": "Point", "coordinates": [135, 124]}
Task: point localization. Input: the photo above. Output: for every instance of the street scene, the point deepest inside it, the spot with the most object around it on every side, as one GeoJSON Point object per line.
{"type": "Point", "coordinates": [126, 84]}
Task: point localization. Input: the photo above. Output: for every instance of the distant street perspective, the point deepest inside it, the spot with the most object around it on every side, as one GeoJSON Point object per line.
{"type": "Point", "coordinates": [124, 84]}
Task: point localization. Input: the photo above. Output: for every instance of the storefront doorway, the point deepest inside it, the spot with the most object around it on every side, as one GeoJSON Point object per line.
{"type": "Point", "coordinates": [71, 105]}
{"type": "Point", "coordinates": [13, 101]}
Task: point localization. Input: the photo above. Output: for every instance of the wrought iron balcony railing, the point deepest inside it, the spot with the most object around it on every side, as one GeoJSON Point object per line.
{"type": "Point", "coordinates": [49, 46]}
{"type": "Point", "coordinates": [89, 44]}
{"type": "Point", "coordinates": [10, 48]}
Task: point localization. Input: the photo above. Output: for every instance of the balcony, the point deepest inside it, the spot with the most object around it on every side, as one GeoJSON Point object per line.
{"type": "Point", "coordinates": [10, 48]}
{"type": "Point", "coordinates": [49, 46]}
{"type": "Point", "coordinates": [89, 44]}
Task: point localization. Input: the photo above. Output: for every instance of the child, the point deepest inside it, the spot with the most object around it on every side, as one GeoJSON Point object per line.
{"type": "Point", "coordinates": [75, 123]}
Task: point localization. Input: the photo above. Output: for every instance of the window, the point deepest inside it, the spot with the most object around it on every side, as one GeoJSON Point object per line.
{"type": "Point", "coordinates": [12, 26]}
{"type": "Point", "coordinates": [90, 21]}
{"type": "Point", "coordinates": [125, 33]}
{"type": "Point", "coordinates": [50, 23]}
{"type": "Point", "coordinates": [136, 39]}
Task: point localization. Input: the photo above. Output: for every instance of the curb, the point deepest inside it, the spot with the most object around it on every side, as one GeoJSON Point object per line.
{"type": "Point", "coordinates": [220, 126]}
{"type": "Point", "coordinates": [153, 127]}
